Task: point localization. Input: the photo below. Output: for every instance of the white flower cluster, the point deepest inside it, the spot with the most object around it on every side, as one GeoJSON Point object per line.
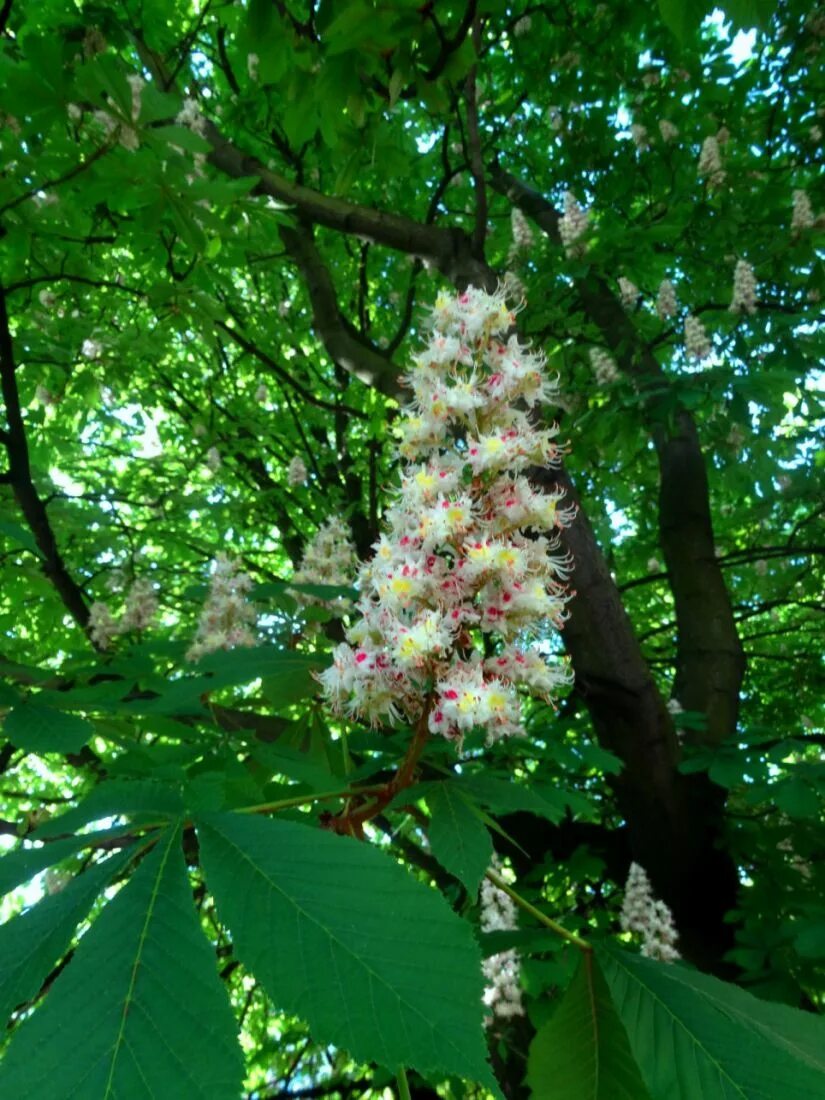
{"type": "Point", "coordinates": [513, 288]}
{"type": "Point", "coordinates": [329, 558]}
{"type": "Point", "coordinates": [697, 344]}
{"type": "Point", "coordinates": [668, 131]}
{"type": "Point", "coordinates": [297, 473]}
{"type": "Point", "coordinates": [44, 396]}
{"type": "Point", "coordinates": [744, 289]}
{"type": "Point", "coordinates": [139, 613]}
{"type": "Point", "coordinates": [227, 617]}
{"type": "Point", "coordinates": [604, 368]}
{"type": "Point", "coordinates": [136, 85]}
{"type": "Point", "coordinates": [666, 304]}
{"type": "Point", "coordinates": [457, 561]}
{"type": "Point", "coordinates": [141, 606]}
{"type": "Point", "coordinates": [628, 292]}
{"type": "Point", "coordinates": [640, 137]}
{"type": "Point", "coordinates": [710, 162]}
{"type": "Point", "coordinates": [803, 214]}
{"type": "Point", "coordinates": [190, 115]}
{"type": "Point", "coordinates": [736, 437]}
{"type": "Point", "coordinates": [652, 919]}
{"type": "Point", "coordinates": [91, 349]}
{"type": "Point", "coordinates": [102, 625]}
{"type": "Point", "coordinates": [502, 991]}
{"type": "Point", "coordinates": [573, 225]}
{"type": "Point", "coordinates": [523, 238]}
{"type": "Point", "coordinates": [522, 26]}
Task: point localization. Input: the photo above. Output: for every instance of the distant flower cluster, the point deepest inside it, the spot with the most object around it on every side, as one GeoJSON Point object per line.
{"type": "Point", "coordinates": [710, 162]}
{"type": "Point", "coordinates": [228, 617]}
{"type": "Point", "coordinates": [744, 289]}
{"type": "Point", "coordinates": [297, 472]}
{"type": "Point", "coordinates": [604, 367]}
{"type": "Point", "coordinates": [697, 344]}
{"type": "Point", "coordinates": [502, 992]}
{"type": "Point", "coordinates": [523, 238]}
{"type": "Point", "coordinates": [666, 303]}
{"type": "Point", "coordinates": [329, 559]}
{"type": "Point", "coordinates": [648, 917]}
{"type": "Point", "coordinates": [467, 551]}
{"type": "Point", "coordinates": [138, 615]}
{"type": "Point", "coordinates": [190, 115]}
{"type": "Point", "coordinates": [573, 225]}
{"type": "Point", "coordinates": [628, 292]}
{"type": "Point", "coordinates": [803, 214]}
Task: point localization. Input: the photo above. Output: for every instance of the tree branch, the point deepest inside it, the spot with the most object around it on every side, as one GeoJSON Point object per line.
{"type": "Point", "coordinates": [343, 342]}
{"type": "Point", "coordinates": [20, 479]}
{"type": "Point", "coordinates": [710, 660]}
{"type": "Point", "coordinates": [284, 375]}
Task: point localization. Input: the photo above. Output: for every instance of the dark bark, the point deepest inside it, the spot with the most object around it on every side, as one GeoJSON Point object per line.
{"type": "Point", "coordinates": [19, 476]}
{"type": "Point", "coordinates": [344, 344]}
{"type": "Point", "coordinates": [673, 821]}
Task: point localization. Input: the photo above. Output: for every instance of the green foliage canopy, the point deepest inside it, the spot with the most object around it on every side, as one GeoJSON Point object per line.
{"type": "Point", "coordinates": [221, 227]}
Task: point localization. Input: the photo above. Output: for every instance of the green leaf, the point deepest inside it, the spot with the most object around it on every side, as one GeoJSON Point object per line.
{"type": "Point", "coordinates": [116, 798]}
{"type": "Point", "coordinates": [681, 17]}
{"type": "Point", "coordinates": [750, 13]}
{"type": "Point", "coordinates": [797, 799]}
{"type": "Point", "coordinates": [182, 137]}
{"type": "Point", "coordinates": [582, 1052]}
{"type": "Point", "coordinates": [32, 943]}
{"type": "Point", "coordinates": [503, 797]}
{"type": "Point", "coordinates": [285, 687]}
{"type": "Point", "coordinates": [140, 1011]}
{"type": "Point", "coordinates": [24, 863]}
{"type": "Point", "coordinates": [240, 666]}
{"type": "Point", "coordinates": [339, 934]}
{"type": "Point", "coordinates": [701, 1039]}
{"type": "Point", "coordinates": [38, 728]}
{"type": "Point", "coordinates": [458, 838]}
{"type": "Point", "coordinates": [19, 535]}
{"type": "Point", "coordinates": [810, 941]}
{"type": "Point", "coordinates": [311, 769]}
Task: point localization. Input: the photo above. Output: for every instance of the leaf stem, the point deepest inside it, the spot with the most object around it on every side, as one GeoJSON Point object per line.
{"type": "Point", "coordinates": [537, 914]}
{"type": "Point", "coordinates": [403, 1084]}
{"type": "Point", "coordinates": [303, 800]}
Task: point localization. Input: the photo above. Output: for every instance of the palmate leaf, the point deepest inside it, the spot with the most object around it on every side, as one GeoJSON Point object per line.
{"type": "Point", "coordinates": [698, 1038]}
{"type": "Point", "coordinates": [38, 728]}
{"type": "Point", "coordinates": [582, 1052]}
{"type": "Point", "coordinates": [458, 837]}
{"type": "Point", "coordinates": [340, 935]}
{"type": "Point", "coordinates": [140, 1012]}
{"type": "Point", "coordinates": [24, 863]}
{"type": "Point", "coordinates": [116, 798]}
{"type": "Point", "coordinates": [32, 943]}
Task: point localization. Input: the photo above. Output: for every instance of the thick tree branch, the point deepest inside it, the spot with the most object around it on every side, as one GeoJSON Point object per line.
{"type": "Point", "coordinates": [57, 181]}
{"type": "Point", "coordinates": [23, 487]}
{"type": "Point", "coordinates": [343, 342]}
{"type": "Point", "coordinates": [284, 375]}
{"type": "Point", "coordinates": [710, 661]}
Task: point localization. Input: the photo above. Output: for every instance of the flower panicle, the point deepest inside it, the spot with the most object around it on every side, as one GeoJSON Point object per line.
{"type": "Point", "coordinates": [502, 971]}
{"type": "Point", "coordinates": [228, 617]}
{"type": "Point", "coordinates": [648, 917]}
{"type": "Point", "coordinates": [470, 547]}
